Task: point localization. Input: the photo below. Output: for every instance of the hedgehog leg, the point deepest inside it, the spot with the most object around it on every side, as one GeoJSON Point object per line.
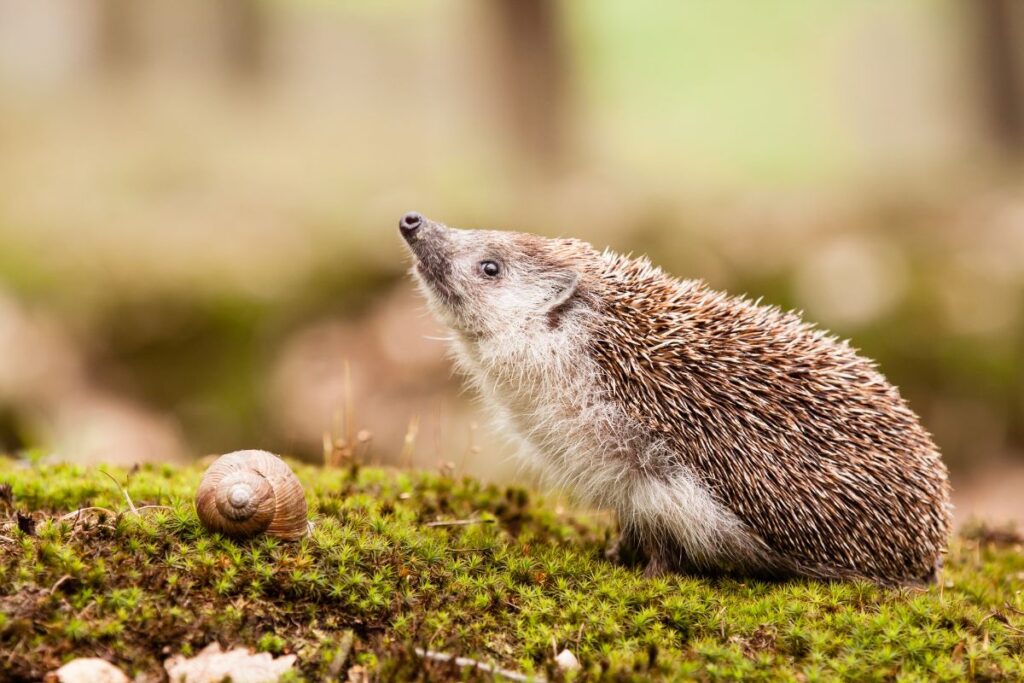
{"type": "Point", "coordinates": [635, 549]}
{"type": "Point", "coordinates": [665, 556]}
{"type": "Point", "coordinates": [656, 567]}
{"type": "Point", "coordinates": [629, 552]}
{"type": "Point", "coordinates": [626, 549]}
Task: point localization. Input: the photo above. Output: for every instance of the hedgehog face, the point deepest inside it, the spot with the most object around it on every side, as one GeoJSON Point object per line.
{"type": "Point", "coordinates": [486, 284]}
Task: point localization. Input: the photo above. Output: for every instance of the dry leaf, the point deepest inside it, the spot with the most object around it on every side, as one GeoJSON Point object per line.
{"type": "Point", "coordinates": [90, 670]}
{"type": "Point", "coordinates": [212, 665]}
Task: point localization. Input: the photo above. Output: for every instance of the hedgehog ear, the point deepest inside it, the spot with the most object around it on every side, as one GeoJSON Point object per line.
{"type": "Point", "coordinates": [566, 284]}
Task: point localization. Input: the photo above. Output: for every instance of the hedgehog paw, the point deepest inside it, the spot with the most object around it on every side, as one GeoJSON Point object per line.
{"type": "Point", "coordinates": [625, 551]}
{"type": "Point", "coordinates": [656, 567]}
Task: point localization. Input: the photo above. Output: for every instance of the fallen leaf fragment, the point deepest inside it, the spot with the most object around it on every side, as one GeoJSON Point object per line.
{"type": "Point", "coordinates": [213, 665]}
{"type": "Point", "coordinates": [89, 670]}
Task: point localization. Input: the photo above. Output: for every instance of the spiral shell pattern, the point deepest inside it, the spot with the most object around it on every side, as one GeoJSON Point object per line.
{"type": "Point", "coordinates": [250, 492]}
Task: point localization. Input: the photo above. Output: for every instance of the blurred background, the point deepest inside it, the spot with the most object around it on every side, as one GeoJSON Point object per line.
{"type": "Point", "coordinates": [198, 202]}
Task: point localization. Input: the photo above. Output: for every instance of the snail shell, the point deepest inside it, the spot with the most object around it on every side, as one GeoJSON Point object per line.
{"type": "Point", "coordinates": [250, 492]}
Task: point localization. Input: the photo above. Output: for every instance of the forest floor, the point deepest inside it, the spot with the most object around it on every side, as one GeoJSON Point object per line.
{"type": "Point", "coordinates": [378, 583]}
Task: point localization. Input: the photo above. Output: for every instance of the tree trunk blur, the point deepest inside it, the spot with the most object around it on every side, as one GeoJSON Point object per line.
{"type": "Point", "coordinates": [1000, 25]}
{"type": "Point", "coordinates": [531, 76]}
{"type": "Point", "coordinates": [245, 32]}
{"type": "Point", "coordinates": [115, 35]}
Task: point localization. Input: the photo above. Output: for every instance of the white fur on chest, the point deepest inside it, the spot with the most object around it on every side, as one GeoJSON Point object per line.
{"type": "Point", "coordinates": [549, 399]}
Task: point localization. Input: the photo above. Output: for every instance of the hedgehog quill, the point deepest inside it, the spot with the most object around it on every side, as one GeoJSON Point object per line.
{"type": "Point", "coordinates": [727, 436]}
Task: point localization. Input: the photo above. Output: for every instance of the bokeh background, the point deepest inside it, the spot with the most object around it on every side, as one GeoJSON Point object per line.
{"type": "Point", "coordinates": [198, 202]}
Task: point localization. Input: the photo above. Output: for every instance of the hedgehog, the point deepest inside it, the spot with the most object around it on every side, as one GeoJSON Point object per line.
{"type": "Point", "coordinates": [728, 437]}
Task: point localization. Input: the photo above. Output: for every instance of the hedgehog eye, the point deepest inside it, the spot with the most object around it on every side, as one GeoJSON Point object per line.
{"type": "Point", "coordinates": [490, 268]}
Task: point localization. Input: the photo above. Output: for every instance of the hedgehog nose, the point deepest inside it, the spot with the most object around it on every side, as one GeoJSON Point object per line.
{"type": "Point", "coordinates": [409, 224]}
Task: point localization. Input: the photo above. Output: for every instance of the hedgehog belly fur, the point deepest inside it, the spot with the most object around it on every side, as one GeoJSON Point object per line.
{"type": "Point", "coordinates": [549, 401]}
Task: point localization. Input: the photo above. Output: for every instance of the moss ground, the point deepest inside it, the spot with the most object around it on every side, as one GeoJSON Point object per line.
{"type": "Point", "coordinates": [137, 588]}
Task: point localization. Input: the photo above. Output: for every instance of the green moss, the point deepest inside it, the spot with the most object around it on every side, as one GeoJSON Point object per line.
{"type": "Point", "coordinates": [506, 590]}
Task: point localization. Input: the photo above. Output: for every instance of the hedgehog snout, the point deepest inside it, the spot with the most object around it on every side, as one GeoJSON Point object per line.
{"type": "Point", "coordinates": [432, 247]}
{"type": "Point", "coordinates": [410, 225]}
{"type": "Point", "coordinates": [426, 239]}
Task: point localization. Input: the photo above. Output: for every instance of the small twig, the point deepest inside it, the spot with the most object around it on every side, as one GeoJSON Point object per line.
{"type": "Point", "coordinates": [999, 617]}
{"type": "Point", "coordinates": [123, 490]}
{"type": "Point", "coordinates": [461, 522]}
{"type": "Point", "coordinates": [78, 518]}
{"type": "Point", "coordinates": [86, 609]}
{"type": "Point", "coordinates": [54, 587]}
{"type": "Point", "coordinates": [344, 648]}
{"type": "Point", "coordinates": [88, 509]}
{"type": "Point", "coordinates": [77, 514]}
{"type": "Point", "coordinates": [8, 539]}
{"type": "Point", "coordinates": [153, 507]}
{"type": "Point", "coordinates": [481, 666]}
{"type": "Point", "coordinates": [405, 457]}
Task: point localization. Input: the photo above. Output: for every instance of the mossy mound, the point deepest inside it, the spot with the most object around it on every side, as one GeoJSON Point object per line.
{"type": "Point", "coordinates": [137, 588]}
